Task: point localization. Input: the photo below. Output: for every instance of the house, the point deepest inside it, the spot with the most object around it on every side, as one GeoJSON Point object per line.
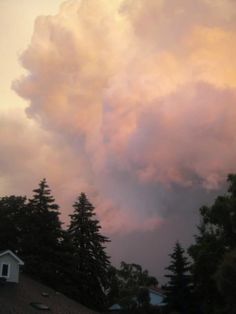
{"type": "Point", "coordinates": [156, 296]}
{"type": "Point", "coordinates": [115, 307]}
{"type": "Point", "coordinates": [10, 266]}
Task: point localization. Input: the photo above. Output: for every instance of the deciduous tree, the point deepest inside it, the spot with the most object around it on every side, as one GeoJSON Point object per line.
{"type": "Point", "coordinates": [130, 285]}
{"type": "Point", "coordinates": [12, 222]}
{"type": "Point", "coordinates": [226, 281]}
{"type": "Point", "coordinates": [217, 236]}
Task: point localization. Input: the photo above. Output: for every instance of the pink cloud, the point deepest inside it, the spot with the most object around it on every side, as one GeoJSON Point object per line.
{"type": "Point", "coordinates": [136, 94]}
{"type": "Point", "coordinates": [188, 133]}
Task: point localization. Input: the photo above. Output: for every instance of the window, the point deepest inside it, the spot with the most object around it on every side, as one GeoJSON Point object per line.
{"type": "Point", "coordinates": [5, 270]}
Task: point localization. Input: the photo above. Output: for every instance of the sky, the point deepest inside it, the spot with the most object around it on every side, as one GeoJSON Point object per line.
{"type": "Point", "coordinates": [130, 101]}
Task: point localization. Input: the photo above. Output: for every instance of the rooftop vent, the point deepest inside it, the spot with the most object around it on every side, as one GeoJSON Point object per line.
{"type": "Point", "coordinates": [40, 306]}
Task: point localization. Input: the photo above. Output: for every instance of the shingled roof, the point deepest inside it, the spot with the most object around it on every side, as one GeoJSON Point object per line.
{"type": "Point", "coordinates": [17, 299]}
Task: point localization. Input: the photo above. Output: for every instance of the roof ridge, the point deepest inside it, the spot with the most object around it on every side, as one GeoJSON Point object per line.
{"type": "Point", "coordinates": [13, 255]}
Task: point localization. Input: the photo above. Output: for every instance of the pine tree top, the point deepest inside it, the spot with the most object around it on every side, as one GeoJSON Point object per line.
{"type": "Point", "coordinates": [42, 199]}
{"type": "Point", "coordinates": [83, 221]}
{"type": "Point", "coordinates": [179, 263]}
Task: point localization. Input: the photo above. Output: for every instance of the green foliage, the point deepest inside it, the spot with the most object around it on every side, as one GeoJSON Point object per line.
{"type": "Point", "coordinates": [206, 254]}
{"type": "Point", "coordinates": [128, 286]}
{"type": "Point", "coordinates": [32, 229]}
{"type": "Point", "coordinates": [12, 222]}
{"type": "Point", "coordinates": [226, 281]}
{"type": "Point", "coordinates": [217, 236]}
{"type": "Point", "coordinates": [143, 298]}
{"type": "Point", "coordinates": [73, 261]}
{"type": "Point", "coordinates": [178, 289]}
{"type": "Point", "coordinates": [90, 259]}
{"type": "Point", "coordinates": [42, 235]}
{"type": "Point", "coordinates": [132, 275]}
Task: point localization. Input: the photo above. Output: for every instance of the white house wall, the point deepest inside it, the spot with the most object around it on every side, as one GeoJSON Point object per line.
{"type": "Point", "coordinates": [14, 267]}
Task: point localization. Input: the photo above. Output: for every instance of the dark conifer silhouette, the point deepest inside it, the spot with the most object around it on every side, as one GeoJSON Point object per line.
{"type": "Point", "coordinates": [42, 235]}
{"type": "Point", "coordinates": [91, 260]}
{"type": "Point", "coordinates": [178, 289]}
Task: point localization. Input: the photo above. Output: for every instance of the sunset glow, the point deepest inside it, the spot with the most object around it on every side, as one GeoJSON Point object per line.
{"type": "Point", "coordinates": [130, 101]}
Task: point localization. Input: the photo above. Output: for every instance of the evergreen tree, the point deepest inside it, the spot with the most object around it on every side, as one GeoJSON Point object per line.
{"type": "Point", "coordinates": [91, 261]}
{"type": "Point", "coordinates": [178, 288]}
{"type": "Point", "coordinates": [43, 236]}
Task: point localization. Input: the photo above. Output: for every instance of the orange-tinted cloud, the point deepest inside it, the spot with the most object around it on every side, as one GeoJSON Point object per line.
{"type": "Point", "coordinates": [137, 94]}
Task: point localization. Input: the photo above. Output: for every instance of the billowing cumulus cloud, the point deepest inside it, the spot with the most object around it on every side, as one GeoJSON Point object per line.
{"type": "Point", "coordinates": [185, 137]}
{"type": "Point", "coordinates": [29, 153]}
{"type": "Point", "coordinates": [140, 96]}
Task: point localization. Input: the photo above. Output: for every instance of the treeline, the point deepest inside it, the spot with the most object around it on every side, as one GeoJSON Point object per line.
{"type": "Point", "coordinates": [74, 260]}
{"type": "Point", "coordinates": [207, 284]}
